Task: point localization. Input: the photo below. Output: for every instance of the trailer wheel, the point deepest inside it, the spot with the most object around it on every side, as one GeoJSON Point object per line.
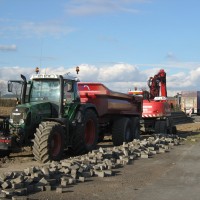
{"type": "Point", "coordinates": [86, 134]}
{"type": "Point", "coordinates": [122, 131]}
{"type": "Point", "coordinates": [174, 130]}
{"type": "Point", "coordinates": [4, 153]}
{"type": "Point", "coordinates": [48, 142]}
{"type": "Point", "coordinates": [136, 128]}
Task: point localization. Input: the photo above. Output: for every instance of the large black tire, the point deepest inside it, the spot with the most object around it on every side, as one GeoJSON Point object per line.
{"type": "Point", "coordinates": [85, 136]}
{"type": "Point", "coordinates": [122, 131]}
{"type": "Point", "coordinates": [157, 127]}
{"type": "Point", "coordinates": [49, 142]}
{"type": "Point", "coordinates": [136, 128]}
{"type": "Point", "coordinates": [161, 127]}
{"type": "Point", "coordinates": [170, 126]}
{"type": "Point", "coordinates": [174, 130]}
{"type": "Point", "coordinates": [4, 153]}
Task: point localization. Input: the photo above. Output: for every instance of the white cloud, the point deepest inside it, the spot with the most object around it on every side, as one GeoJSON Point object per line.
{"type": "Point", "coordinates": [12, 47]}
{"type": "Point", "coordinates": [8, 73]}
{"type": "Point", "coordinates": [171, 57]}
{"type": "Point", "coordinates": [29, 29]}
{"type": "Point", "coordinates": [91, 7]}
{"type": "Point", "coordinates": [194, 75]}
{"type": "Point", "coordinates": [54, 29]}
{"type": "Point", "coordinates": [121, 72]}
{"type": "Point", "coordinates": [118, 77]}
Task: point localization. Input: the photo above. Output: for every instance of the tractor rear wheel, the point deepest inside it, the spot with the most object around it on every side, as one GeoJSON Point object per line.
{"type": "Point", "coordinates": [48, 142]}
{"type": "Point", "coordinates": [86, 134]}
{"type": "Point", "coordinates": [122, 131]}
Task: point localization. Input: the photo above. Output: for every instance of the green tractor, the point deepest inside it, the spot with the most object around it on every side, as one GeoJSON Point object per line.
{"type": "Point", "coordinates": [57, 112]}
{"type": "Point", "coordinates": [46, 118]}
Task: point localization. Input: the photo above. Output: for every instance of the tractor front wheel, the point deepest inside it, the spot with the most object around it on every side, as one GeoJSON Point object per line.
{"type": "Point", "coordinates": [48, 142]}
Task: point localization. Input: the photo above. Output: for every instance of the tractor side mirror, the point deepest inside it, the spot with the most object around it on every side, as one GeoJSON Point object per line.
{"type": "Point", "coordinates": [10, 86]}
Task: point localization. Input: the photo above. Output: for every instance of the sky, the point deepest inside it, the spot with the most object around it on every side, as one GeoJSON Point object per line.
{"type": "Point", "coordinates": [120, 43]}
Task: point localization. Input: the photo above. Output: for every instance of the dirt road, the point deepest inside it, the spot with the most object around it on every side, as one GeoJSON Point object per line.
{"type": "Point", "coordinates": [173, 175]}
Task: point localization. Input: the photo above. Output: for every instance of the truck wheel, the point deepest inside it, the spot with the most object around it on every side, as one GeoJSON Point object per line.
{"type": "Point", "coordinates": [136, 128]}
{"type": "Point", "coordinates": [122, 131]}
{"type": "Point", "coordinates": [4, 153]}
{"type": "Point", "coordinates": [169, 123]}
{"type": "Point", "coordinates": [174, 130]}
{"type": "Point", "coordinates": [161, 127]}
{"type": "Point", "coordinates": [86, 134]}
{"type": "Point", "coordinates": [48, 142]}
{"type": "Point", "coordinates": [157, 127]}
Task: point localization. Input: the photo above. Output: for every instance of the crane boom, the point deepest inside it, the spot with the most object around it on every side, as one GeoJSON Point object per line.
{"type": "Point", "coordinates": [157, 85]}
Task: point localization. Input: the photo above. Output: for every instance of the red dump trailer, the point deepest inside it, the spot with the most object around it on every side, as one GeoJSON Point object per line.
{"type": "Point", "coordinates": [118, 113]}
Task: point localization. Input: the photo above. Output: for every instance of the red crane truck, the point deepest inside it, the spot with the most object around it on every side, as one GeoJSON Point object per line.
{"type": "Point", "coordinates": [156, 109]}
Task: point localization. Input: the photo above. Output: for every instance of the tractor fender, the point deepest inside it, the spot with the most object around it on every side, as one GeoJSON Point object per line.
{"type": "Point", "coordinates": [62, 121]}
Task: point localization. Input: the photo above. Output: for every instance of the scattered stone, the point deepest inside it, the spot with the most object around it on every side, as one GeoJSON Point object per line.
{"type": "Point", "coordinates": [19, 198]}
{"type": "Point", "coordinates": [81, 179]}
{"type": "Point", "coordinates": [47, 187]}
{"type": "Point", "coordinates": [161, 150]}
{"type": "Point", "coordinates": [101, 162]}
{"type": "Point", "coordinates": [21, 191]}
{"type": "Point", "coordinates": [144, 156]}
{"type": "Point", "coordinates": [6, 184]}
{"type": "Point", "coordinates": [61, 189]}
{"type": "Point", "coordinates": [2, 194]}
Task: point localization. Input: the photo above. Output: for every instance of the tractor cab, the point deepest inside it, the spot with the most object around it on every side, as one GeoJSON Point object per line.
{"type": "Point", "coordinates": [44, 96]}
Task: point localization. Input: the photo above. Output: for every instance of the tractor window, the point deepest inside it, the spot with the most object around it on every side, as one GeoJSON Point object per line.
{"type": "Point", "coordinates": [68, 91]}
{"type": "Point", "coordinates": [45, 90]}
{"type": "Point", "coordinates": [27, 92]}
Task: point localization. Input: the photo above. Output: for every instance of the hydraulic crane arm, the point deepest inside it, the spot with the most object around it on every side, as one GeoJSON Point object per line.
{"type": "Point", "coordinates": [157, 85]}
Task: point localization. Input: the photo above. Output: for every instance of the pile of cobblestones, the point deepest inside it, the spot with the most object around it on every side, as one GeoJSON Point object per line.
{"type": "Point", "coordinates": [101, 162]}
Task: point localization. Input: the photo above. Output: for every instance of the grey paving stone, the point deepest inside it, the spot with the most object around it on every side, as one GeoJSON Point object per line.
{"type": "Point", "coordinates": [47, 187]}
{"type": "Point", "coordinates": [19, 198]}
{"type": "Point", "coordinates": [6, 184]}
{"type": "Point", "coordinates": [21, 191]}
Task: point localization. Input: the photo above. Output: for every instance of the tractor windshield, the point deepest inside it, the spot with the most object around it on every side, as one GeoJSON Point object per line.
{"type": "Point", "coordinates": [45, 90]}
